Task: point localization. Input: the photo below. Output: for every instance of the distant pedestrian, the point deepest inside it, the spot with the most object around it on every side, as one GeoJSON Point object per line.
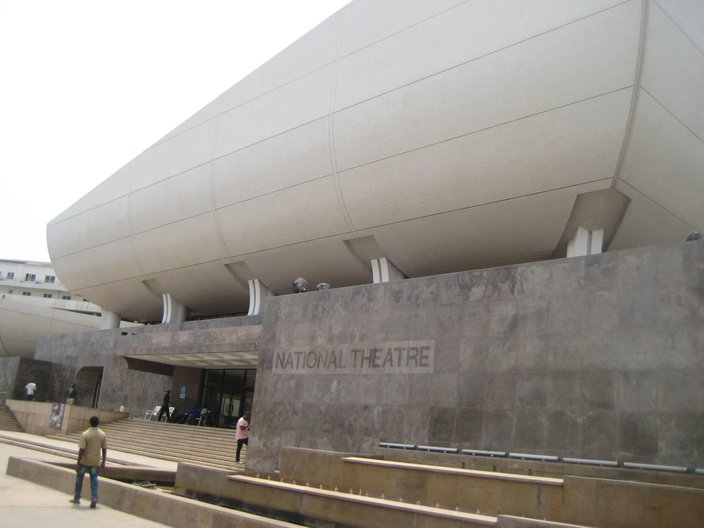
{"type": "Point", "coordinates": [29, 390]}
{"type": "Point", "coordinates": [165, 407]}
{"type": "Point", "coordinates": [71, 394]}
{"type": "Point", "coordinates": [93, 440]}
{"type": "Point", "coordinates": [242, 434]}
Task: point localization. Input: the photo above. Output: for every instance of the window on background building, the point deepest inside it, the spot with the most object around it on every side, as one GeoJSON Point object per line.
{"type": "Point", "coordinates": [48, 296]}
{"type": "Point", "coordinates": [27, 294]}
{"type": "Point", "coordinates": [30, 277]}
{"type": "Point", "coordinates": [50, 279]}
{"type": "Point", "coordinates": [66, 297]}
{"type": "Point", "coordinates": [10, 274]}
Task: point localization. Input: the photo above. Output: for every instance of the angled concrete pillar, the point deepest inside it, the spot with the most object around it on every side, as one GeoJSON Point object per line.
{"type": "Point", "coordinates": [257, 293]}
{"type": "Point", "coordinates": [384, 271]}
{"type": "Point", "coordinates": [174, 311]}
{"type": "Point", "coordinates": [585, 242]}
{"type": "Point", "coordinates": [109, 320]}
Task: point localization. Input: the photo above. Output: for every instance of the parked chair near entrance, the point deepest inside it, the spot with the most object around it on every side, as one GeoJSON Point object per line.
{"type": "Point", "coordinates": [204, 416]}
{"type": "Point", "coordinates": [151, 413]}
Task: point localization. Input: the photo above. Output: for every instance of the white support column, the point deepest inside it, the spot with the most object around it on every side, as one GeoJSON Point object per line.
{"type": "Point", "coordinates": [597, 243]}
{"type": "Point", "coordinates": [109, 320]}
{"type": "Point", "coordinates": [174, 311]}
{"type": "Point", "coordinates": [257, 293]}
{"type": "Point", "coordinates": [384, 271]}
{"type": "Point", "coordinates": [585, 242]}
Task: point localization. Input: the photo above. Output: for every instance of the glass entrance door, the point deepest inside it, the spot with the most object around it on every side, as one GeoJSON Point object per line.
{"type": "Point", "coordinates": [228, 394]}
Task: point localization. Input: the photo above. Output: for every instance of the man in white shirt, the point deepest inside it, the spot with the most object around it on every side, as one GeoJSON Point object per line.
{"type": "Point", "coordinates": [242, 434]}
{"type": "Point", "coordinates": [29, 390]}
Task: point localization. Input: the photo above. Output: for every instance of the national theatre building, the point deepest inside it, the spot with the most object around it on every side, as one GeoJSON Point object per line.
{"type": "Point", "coordinates": [490, 211]}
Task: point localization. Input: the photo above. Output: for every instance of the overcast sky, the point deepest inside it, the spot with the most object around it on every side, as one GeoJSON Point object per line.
{"type": "Point", "coordinates": [87, 85]}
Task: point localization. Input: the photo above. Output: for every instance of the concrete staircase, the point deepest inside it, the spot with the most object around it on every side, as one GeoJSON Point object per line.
{"type": "Point", "coordinates": [7, 420]}
{"type": "Point", "coordinates": [204, 446]}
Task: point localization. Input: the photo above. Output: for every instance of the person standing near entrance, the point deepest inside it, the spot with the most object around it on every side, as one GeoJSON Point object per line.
{"type": "Point", "coordinates": [242, 434]}
{"type": "Point", "coordinates": [165, 407]}
{"type": "Point", "coordinates": [29, 390]}
{"type": "Point", "coordinates": [71, 394]}
{"type": "Point", "coordinates": [93, 440]}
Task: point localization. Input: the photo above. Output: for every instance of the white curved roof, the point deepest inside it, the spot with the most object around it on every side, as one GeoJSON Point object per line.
{"type": "Point", "coordinates": [442, 135]}
{"type": "Point", "coordinates": [23, 320]}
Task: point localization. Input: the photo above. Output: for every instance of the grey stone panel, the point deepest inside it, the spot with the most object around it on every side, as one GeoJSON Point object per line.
{"type": "Point", "coordinates": [601, 272]}
{"type": "Point", "coordinates": [566, 312]}
{"type": "Point", "coordinates": [472, 389]}
{"type": "Point", "coordinates": [562, 433]}
{"type": "Point", "coordinates": [468, 427]}
{"type": "Point", "coordinates": [681, 437]}
{"type": "Point", "coordinates": [599, 435]}
{"type": "Point", "coordinates": [442, 425]}
{"type": "Point", "coordinates": [637, 391]}
{"type": "Point", "coordinates": [531, 428]}
{"type": "Point", "coordinates": [498, 429]}
{"type": "Point", "coordinates": [638, 436]}
{"type": "Point", "coordinates": [531, 391]}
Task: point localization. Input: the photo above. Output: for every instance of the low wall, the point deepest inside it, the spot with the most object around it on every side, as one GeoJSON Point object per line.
{"type": "Point", "coordinates": [573, 500]}
{"type": "Point", "coordinates": [543, 468]}
{"type": "Point", "coordinates": [36, 417]}
{"type": "Point", "coordinates": [148, 504]}
{"type": "Point", "coordinates": [314, 466]}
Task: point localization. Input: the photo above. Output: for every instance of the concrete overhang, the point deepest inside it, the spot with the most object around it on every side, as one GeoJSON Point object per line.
{"type": "Point", "coordinates": [208, 360]}
{"type": "Point", "coordinates": [159, 350]}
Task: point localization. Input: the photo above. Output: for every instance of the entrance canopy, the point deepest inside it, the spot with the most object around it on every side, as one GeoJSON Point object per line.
{"type": "Point", "coordinates": [159, 350]}
{"type": "Point", "coordinates": [246, 359]}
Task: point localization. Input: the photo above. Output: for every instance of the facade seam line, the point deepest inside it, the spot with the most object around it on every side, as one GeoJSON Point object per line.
{"type": "Point", "coordinates": [637, 79]}
{"type": "Point", "coordinates": [331, 126]}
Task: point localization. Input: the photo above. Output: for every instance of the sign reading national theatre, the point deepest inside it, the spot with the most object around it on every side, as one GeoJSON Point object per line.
{"type": "Point", "coordinates": [392, 356]}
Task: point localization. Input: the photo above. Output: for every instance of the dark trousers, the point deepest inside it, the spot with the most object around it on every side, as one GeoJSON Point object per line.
{"type": "Point", "coordinates": [164, 409]}
{"type": "Point", "coordinates": [240, 443]}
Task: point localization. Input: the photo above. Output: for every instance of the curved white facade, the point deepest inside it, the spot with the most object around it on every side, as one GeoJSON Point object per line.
{"type": "Point", "coordinates": [24, 320]}
{"type": "Point", "coordinates": [441, 135]}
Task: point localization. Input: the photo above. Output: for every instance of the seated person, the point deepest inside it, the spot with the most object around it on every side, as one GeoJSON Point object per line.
{"type": "Point", "coordinates": [193, 414]}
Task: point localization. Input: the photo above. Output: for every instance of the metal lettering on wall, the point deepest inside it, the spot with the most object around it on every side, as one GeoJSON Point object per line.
{"type": "Point", "coordinates": [392, 356]}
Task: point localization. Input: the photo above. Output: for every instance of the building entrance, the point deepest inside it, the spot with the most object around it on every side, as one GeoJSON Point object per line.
{"type": "Point", "coordinates": [228, 394]}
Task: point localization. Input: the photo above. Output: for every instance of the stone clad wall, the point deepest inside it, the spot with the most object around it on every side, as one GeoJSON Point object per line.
{"type": "Point", "coordinates": [594, 357]}
{"type": "Point", "coordinates": [141, 389]}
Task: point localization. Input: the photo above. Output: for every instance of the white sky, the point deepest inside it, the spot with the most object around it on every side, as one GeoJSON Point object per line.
{"type": "Point", "coordinates": [87, 85]}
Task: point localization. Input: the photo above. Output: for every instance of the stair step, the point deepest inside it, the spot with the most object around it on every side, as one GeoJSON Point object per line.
{"type": "Point", "coordinates": [204, 446]}
{"type": "Point", "coordinates": [8, 421]}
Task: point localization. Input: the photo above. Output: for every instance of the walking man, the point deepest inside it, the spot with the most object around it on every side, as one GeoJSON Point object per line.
{"type": "Point", "coordinates": [92, 441]}
{"type": "Point", "coordinates": [29, 390]}
{"type": "Point", "coordinates": [165, 407]}
{"type": "Point", "coordinates": [242, 434]}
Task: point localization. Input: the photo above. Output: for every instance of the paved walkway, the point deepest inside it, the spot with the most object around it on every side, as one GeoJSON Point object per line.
{"type": "Point", "coordinates": [24, 504]}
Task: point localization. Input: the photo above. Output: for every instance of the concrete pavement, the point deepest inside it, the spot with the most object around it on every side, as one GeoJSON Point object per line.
{"type": "Point", "coordinates": [24, 504]}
